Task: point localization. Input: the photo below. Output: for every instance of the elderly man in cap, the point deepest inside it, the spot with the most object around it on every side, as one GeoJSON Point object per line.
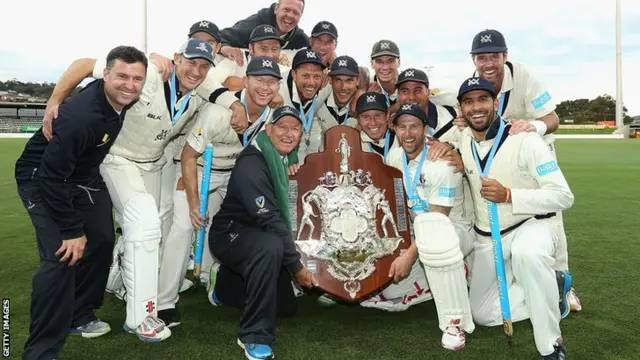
{"type": "Point", "coordinates": [251, 236]}
{"type": "Point", "coordinates": [519, 174]}
{"type": "Point", "coordinates": [284, 16]}
{"type": "Point", "coordinates": [521, 95]}
{"type": "Point", "coordinates": [212, 126]}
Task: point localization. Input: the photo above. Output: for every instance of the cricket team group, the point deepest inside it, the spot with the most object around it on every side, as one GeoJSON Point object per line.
{"type": "Point", "coordinates": [478, 163]}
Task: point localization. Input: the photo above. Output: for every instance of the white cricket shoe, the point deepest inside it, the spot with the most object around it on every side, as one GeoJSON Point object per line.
{"type": "Point", "coordinates": [186, 285]}
{"type": "Point", "coordinates": [152, 329]}
{"type": "Point", "coordinates": [453, 338]}
{"type": "Point", "coordinates": [574, 302]}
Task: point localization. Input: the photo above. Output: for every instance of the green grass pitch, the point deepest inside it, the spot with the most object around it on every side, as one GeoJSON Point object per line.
{"type": "Point", "coordinates": [602, 229]}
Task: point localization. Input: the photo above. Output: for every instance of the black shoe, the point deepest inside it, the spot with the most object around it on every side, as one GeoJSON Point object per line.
{"type": "Point", "coordinates": [559, 353]}
{"type": "Point", "coordinates": [171, 317]}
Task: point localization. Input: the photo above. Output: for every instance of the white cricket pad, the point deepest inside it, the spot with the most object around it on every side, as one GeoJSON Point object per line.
{"type": "Point", "coordinates": [440, 254]}
{"type": "Point", "coordinates": [141, 239]}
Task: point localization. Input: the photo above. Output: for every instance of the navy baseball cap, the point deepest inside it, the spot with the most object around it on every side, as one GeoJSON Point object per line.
{"type": "Point", "coordinates": [207, 27]}
{"type": "Point", "coordinates": [307, 56]}
{"type": "Point", "coordinates": [371, 101]}
{"type": "Point", "coordinates": [325, 28]}
{"type": "Point", "coordinates": [264, 32]}
{"type": "Point", "coordinates": [410, 109]}
{"type": "Point", "coordinates": [385, 47]}
{"type": "Point", "coordinates": [488, 41]}
{"type": "Point", "coordinates": [476, 83]}
{"type": "Point", "coordinates": [263, 65]}
{"type": "Point", "coordinates": [197, 49]}
{"type": "Point", "coordinates": [344, 65]}
{"type": "Point", "coordinates": [413, 75]}
{"type": "Point", "coordinates": [283, 111]}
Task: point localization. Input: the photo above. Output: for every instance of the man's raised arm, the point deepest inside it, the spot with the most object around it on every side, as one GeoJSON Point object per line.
{"type": "Point", "coordinates": [79, 70]}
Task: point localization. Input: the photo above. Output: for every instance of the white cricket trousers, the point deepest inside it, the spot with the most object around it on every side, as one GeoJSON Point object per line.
{"type": "Point", "coordinates": [561, 253]}
{"type": "Point", "coordinates": [533, 290]}
{"type": "Point", "coordinates": [175, 255]}
{"type": "Point", "coordinates": [126, 180]}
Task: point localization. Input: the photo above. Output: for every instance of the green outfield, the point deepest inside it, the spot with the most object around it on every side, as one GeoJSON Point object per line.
{"type": "Point", "coordinates": [602, 228]}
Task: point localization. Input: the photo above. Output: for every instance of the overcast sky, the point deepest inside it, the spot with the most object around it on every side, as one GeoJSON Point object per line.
{"type": "Point", "coordinates": [570, 44]}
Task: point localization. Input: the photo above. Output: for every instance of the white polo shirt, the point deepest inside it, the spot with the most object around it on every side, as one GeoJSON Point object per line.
{"type": "Point", "coordinates": [379, 146]}
{"type": "Point", "coordinates": [227, 67]}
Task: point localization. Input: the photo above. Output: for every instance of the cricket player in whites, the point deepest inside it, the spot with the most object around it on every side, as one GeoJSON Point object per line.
{"type": "Point", "coordinates": [435, 201]}
{"type": "Point", "coordinates": [212, 126]}
{"type": "Point", "coordinates": [521, 95]}
{"type": "Point", "coordinates": [519, 174]}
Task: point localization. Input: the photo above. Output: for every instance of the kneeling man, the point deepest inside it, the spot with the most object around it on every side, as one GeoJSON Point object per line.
{"type": "Point", "coordinates": [251, 236]}
{"type": "Point", "coordinates": [520, 174]}
{"type": "Point", "coordinates": [434, 193]}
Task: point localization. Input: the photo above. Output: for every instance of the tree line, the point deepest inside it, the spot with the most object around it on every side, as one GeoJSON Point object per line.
{"type": "Point", "coordinates": [585, 111]}
{"type": "Point", "coordinates": [39, 90]}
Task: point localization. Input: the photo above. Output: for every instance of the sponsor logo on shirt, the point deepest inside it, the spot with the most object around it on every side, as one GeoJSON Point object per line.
{"type": "Point", "coordinates": [541, 100]}
{"type": "Point", "coordinates": [447, 192]}
{"type": "Point", "coordinates": [162, 135]}
{"type": "Point", "coordinates": [153, 116]}
{"type": "Point", "coordinates": [547, 168]}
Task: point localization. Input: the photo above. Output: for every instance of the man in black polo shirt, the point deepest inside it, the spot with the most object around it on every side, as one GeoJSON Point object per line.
{"type": "Point", "coordinates": [60, 185]}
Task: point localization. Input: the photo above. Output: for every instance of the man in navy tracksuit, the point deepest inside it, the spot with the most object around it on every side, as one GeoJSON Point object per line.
{"type": "Point", "coordinates": [251, 236]}
{"type": "Point", "coordinates": [60, 186]}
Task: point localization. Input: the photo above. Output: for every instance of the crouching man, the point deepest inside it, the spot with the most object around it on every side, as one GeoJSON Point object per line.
{"type": "Point", "coordinates": [519, 174]}
{"type": "Point", "coordinates": [251, 236]}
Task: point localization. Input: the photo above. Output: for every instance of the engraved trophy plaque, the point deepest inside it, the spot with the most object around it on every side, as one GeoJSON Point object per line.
{"type": "Point", "coordinates": [350, 216]}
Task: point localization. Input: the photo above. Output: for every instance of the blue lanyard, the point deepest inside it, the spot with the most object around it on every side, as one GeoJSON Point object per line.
{"type": "Point", "coordinates": [387, 138]}
{"type": "Point", "coordinates": [412, 185]}
{"type": "Point", "coordinates": [176, 115]}
{"type": "Point", "coordinates": [308, 121]}
{"type": "Point", "coordinates": [501, 104]}
{"type": "Point", "coordinates": [245, 136]}
{"type": "Point", "coordinates": [492, 153]}
{"type": "Point", "coordinates": [386, 95]}
{"type": "Point", "coordinates": [496, 237]}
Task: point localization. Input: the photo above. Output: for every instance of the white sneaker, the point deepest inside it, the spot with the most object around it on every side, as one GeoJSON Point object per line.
{"type": "Point", "coordinates": [453, 338]}
{"type": "Point", "coordinates": [574, 302]}
{"type": "Point", "coordinates": [186, 285]}
{"type": "Point", "coordinates": [152, 329]}
{"type": "Point", "coordinates": [93, 329]}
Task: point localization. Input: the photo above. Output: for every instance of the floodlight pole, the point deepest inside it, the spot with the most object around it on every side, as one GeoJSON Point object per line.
{"type": "Point", "coordinates": [619, 119]}
{"type": "Point", "coordinates": [144, 26]}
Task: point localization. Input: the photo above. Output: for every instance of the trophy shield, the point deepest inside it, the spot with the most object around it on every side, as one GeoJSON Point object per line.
{"type": "Point", "coordinates": [350, 216]}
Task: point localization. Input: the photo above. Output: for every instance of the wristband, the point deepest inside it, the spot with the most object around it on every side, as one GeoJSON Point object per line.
{"type": "Point", "coordinates": [508, 195]}
{"type": "Point", "coordinates": [541, 127]}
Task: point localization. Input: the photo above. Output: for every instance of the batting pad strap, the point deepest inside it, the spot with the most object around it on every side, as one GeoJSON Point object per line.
{"type": "Point", "coordinates": [141, 239]}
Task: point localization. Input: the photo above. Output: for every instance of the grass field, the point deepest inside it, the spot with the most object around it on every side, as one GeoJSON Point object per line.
{"type": "Point", "coordinates": [602, 228]}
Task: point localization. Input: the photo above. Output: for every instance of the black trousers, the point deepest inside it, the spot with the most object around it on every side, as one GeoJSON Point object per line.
{"type": "Point", "coordinates": [66, 296]}
{"type": "Point", "coordinates": [252, 278]}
